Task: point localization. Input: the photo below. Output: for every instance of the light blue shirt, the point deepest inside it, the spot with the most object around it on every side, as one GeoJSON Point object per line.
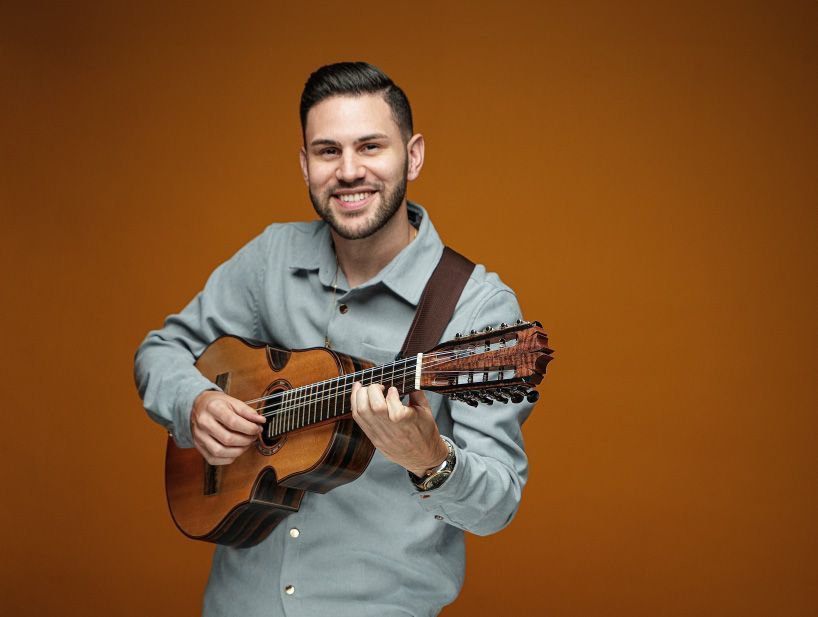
{"type": "Point", "coordinates": [376, 546]}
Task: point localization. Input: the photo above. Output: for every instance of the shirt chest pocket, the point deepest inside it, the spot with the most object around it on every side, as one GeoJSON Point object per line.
{"type": "Point", "coordinates": [377, 355]}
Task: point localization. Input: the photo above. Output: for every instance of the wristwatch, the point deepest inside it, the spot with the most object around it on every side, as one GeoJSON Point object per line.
{"type": "Point", "coordinates": [435, 477]}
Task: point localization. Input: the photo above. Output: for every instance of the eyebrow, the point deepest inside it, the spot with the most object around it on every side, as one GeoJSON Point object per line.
{"type": "Point", "coordinates": [332, 142]}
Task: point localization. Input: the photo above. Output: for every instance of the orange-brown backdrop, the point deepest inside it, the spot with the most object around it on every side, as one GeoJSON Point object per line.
{"type": "Point", "coordinates": [644, 177]}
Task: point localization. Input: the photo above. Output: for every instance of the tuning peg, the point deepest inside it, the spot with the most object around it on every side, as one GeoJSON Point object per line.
{"type": "Point", "coordinates": [532, 396]}
{"type": "Point", "coordinates": [488, 329]}
{"type": "Point", "coordinates": [470, 401]}
{"type": "Point", "coordinates": [485, 399]}
{"type": "Point", "coordinates": [517, 398]}
{"type": "Point", "coordinates": [498, 397]}
{"type": "Point", "coordinates": [473, 332]}
{"type": "Point", "coordinates": [519, 322]}
{"type": "Point", "coordinates": [503, 325]}
{"type": "Point", "coordinates": [457, 335]}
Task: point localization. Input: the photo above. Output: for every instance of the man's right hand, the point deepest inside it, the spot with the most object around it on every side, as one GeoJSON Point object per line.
{"type": "Point", "coordinates": [223, 427]}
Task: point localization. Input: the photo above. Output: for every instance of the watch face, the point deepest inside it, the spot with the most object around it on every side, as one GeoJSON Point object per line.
{"type": "Point", "coordinates": [436, 480]}
{"type": "Point", "coordinates": [438, 477]}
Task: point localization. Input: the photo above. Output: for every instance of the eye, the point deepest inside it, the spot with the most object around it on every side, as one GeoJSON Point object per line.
{"type": "Point", "coordinates": [328, 151]}
{"type": "Point", "coordinates": [371, 147]}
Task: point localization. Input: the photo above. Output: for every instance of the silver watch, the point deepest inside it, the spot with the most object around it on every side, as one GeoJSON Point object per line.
{"type": "Point", "coordinates": [437, 476]}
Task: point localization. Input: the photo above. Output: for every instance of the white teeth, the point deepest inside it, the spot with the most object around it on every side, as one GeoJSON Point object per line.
{"type": "Point", "coordinates": [354, 197]}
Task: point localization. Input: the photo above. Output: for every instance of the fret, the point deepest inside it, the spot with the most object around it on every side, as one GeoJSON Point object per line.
{"type": "Point", "coordinates": [322, 396]}
{"type": "Point", "coordinates": [312, 402]}
{"type": "Point", "coordinates": [315, 411]}
{"type": "Point", "coordinates": [335, 395]}
{"type": "Point", "coordinates": [309, 397]}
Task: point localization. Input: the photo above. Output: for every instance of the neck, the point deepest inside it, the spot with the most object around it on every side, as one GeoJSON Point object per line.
{"type": "Point", "coordinates": [362, 259]}
{"type": "Point", "coordinates": [324, 400]}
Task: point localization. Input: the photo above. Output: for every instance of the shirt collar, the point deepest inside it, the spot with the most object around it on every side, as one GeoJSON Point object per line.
{"type": "Point", "coordinates": [407, 273]}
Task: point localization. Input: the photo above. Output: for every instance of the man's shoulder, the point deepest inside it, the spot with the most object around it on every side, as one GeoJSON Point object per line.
{"type": "Point", "coordinates": [484, 283]}
{"type": "Point", "coordinates": [297, 230]}
{"type": "Point", "coordinates": [295, 237]}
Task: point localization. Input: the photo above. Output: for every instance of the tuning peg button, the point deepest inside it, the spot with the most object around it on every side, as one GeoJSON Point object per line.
{"type": "Point", "coordinates": [532, 396]}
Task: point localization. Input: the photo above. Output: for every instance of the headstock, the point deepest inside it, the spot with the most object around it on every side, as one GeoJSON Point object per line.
{"type": "Point", "coordinates": [503, 364]}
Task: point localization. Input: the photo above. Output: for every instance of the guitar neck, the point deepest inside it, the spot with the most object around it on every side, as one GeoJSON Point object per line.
{"type": "Point", "coordinates": [325, 400]}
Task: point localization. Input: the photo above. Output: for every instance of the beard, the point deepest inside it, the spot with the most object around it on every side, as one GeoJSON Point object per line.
{"type": "Point", "coordinates": [389, 203]}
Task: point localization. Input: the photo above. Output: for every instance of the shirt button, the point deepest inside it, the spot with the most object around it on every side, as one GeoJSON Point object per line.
{"type": "Point", "coordinates": [294, 533]}
{"type": "Point", "coordinates": [343, 308]}
{"type": "Point", "coordinates": [438, 517]}
{"type": "Point", "coordinates": [289, 590]}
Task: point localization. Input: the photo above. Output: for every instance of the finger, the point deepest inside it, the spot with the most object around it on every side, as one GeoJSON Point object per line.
{"type": "Point", "coordinates": [228, 417]}
{"type": "Point", "coordinates": [377, 402]}
{"type": "Point", "coordinates": [363, 404]}
{"type": "Point", "coordinates": [212, 459]}
{"type": "Point", "coordinates": [354, 396]}
{"type": "Point", "coordinates": [216, 450]}
{"type": "Point", "coordinates": [226, 437]}
{"type": "Point", "coordinates": [418, 399]}
{"type": "Point", "coordinates": [245, 411]}
{"type": "Point", "coordinates": [397, 412]}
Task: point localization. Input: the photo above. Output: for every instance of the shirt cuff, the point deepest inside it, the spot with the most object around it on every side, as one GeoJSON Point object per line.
{"type": "Point", "coordinates": [184, 405]}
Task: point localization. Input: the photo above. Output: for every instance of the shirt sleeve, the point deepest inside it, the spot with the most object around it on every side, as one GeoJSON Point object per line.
{"type": "Point", "coordinates": [164, 370]}
{"type": "Point", "coordinates": [483, 492]}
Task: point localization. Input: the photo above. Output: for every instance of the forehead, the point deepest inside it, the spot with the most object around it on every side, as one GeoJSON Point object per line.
{"type": "Point", "coordinates": [345, 118]}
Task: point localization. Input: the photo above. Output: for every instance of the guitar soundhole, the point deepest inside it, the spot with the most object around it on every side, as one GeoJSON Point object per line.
{"type": "Point", "coordinates": [268, 443]}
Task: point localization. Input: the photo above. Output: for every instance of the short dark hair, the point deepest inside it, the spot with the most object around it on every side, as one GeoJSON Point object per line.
{"type": "Point", "coordinates": [355, 79]}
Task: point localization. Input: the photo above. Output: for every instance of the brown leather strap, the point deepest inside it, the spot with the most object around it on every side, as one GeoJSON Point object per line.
{"type": "Point", "coordinates": [437, 303]}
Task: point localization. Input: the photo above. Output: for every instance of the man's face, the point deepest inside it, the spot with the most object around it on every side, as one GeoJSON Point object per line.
{"type": "Point", "coordinates": [355, 163]}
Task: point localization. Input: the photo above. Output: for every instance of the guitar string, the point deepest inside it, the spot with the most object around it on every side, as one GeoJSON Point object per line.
{"type": "Point", "coordinates": [451, 355]}
{"type": "Point", "coordinates": [303, 401]}
{"type": "Point", "coordinates": [297, 413]}
{"type": "Point", "coordinates": [320, 395]}
{"type": "Point", "coordinates": [312, 395]}
{"type": "Point", "coordinates": [306, 416]}
{"type": "Point", "coordinates": [301, 395]}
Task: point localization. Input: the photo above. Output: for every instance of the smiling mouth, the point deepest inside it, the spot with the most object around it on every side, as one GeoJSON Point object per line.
{"type": "Point", "coordinates": [354, 197]}
{"type": "Point", "coordinates": [354, 201]}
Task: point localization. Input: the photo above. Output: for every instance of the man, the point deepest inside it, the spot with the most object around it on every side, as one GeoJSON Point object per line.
{"type": "Point", "coordinates": [384, 544]}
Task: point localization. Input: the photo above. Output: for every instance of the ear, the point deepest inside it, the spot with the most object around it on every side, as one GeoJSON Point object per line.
{"type": "Point", "coordinates": [302, 156]}
{"type": "Point", "coordinates": [415, 150]}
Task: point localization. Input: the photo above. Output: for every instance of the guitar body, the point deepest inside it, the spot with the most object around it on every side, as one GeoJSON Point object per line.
{"type": "Point", "coordinates": [310, 441]}
{"type": "Point", "coordinates": [241, 503]}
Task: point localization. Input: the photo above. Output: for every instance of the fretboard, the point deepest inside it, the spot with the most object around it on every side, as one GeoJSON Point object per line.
{"type": "Point", "coordinates": [325, 400]}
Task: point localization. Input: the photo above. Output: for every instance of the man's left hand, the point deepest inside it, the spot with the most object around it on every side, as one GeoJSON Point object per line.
{"type": "Point", "coordinates": [405, 435]}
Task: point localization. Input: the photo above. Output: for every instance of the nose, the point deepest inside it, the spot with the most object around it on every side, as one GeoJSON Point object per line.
{"type": "Point", "coordinates": [349, 168]}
